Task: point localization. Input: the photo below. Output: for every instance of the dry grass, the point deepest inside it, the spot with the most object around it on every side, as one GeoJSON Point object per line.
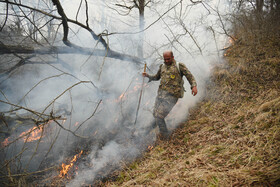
{"type": "Point", "coordinates": [233, 137]}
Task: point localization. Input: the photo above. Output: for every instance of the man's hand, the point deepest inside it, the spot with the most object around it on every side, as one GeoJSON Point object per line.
{"type": "Point", "coordinates": [144, 74]}
{"type": "Point", "coordinates": [194, 90]}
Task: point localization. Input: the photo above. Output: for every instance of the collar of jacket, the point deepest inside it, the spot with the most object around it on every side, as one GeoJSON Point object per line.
{"type": "Point", "coordinates": [172, 63]}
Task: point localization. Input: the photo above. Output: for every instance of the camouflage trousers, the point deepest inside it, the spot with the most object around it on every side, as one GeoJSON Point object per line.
{"type": "Point", "coordinates": [163, 105]}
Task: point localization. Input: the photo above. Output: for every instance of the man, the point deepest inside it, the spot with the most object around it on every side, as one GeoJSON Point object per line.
{"type": "Point", "coordinates": [170, 88]}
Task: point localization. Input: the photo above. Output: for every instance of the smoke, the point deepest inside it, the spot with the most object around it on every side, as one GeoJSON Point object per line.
{"type": "Point", "coordinates": [103, 109]}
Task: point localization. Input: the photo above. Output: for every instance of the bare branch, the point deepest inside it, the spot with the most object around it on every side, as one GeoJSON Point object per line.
{"type": "Point", "coordinates": [34, 25]}
{"type": "Point", "coordinates": [151, 23]}
{"type": "Point", "coordinates": [135, 3]}
{"type": "Point", "coordinates": [79, 136]}
{"type": "Point", "coordinates": [6, 17]}
{"type": "Point", "coordinates": [124, 6]}
{"type": "Point", "coordinates": [65, 21]}
{"type": "Point", "coordinates": [87, 14]}
{"type": "Point", "coordinates": [38, 84]}
{"type": "Point", "coordinates": [175, 38]}
{"type": "Point", "coordinates": [120, 5]}
{"type": "Point", "coordinates": [222, 22]}
{"type": "Point", "coordinates": [79, 10]}
{"type": "Point", "coordinates": [81, 82]}
{"type": "Point", "coordinates": [90, 115]}
{"type": "Point", "coordinates": [192, 37]}
{"type": "Point", "coordinates": [196, 2]}
{"type": "Point", "coordinates": [27, 109]}
{"type": "Point", "coordinates": [50, 148]}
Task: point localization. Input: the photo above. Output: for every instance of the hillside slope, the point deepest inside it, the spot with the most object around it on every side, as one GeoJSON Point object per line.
{"type": "Point", "coordinates": [233, 137]}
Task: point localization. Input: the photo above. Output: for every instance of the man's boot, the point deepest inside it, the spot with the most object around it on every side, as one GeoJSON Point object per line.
{"type": "Point", "coordinates": [162, 128]}
{"type": "Point", "coordinates": [148, 129]}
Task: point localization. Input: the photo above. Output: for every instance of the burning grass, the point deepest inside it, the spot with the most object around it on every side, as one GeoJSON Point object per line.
{"type": "Point", "coordinates": [233, 137]}
{"type": "Point", "coordinates": [65, 168]}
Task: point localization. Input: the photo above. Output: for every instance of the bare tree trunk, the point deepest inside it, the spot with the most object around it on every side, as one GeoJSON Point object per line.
{"type": "Point", "coordinates": [141, 27]}
{"type": "Point", "coordinates": [259, 5]}
{"type": "Point", "coordinates": [277, 6]}
{"type": "Point", "coordinates": [271, 5]}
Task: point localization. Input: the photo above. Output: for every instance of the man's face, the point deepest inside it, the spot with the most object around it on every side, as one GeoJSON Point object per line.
{"type": "Point", "coordinates": [168, 58]}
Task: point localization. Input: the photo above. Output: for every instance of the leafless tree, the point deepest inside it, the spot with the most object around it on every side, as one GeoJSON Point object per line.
{"type": "Point", "coordinates": [8, 49]}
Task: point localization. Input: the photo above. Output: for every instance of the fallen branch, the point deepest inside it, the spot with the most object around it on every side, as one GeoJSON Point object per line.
{"type": "Point", "coordinates": [12, 49]}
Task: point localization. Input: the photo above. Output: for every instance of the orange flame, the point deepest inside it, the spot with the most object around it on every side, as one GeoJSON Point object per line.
{"type": "Point", "coordinates": [125, 94]}
{"type": "Point", "coordinates": [5, 142]}
{"type": "Point", "coordinates": [65, 168]}
{"type": "Point", "coordinates": [32, 135]}
{"type": "Point", "coordinates": [27, 136]}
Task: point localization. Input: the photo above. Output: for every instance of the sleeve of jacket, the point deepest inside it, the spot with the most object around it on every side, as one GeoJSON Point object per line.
{"type": "Point", "coordinates": [185, 71]}
{"type": "Point", "coordinates": [156, 76]}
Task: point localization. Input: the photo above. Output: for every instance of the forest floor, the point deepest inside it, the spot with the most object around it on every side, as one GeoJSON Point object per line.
{"type": "Point", "coordinates": [232, 138]}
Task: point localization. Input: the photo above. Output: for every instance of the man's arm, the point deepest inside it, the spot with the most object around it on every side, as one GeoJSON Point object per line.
{"type": "Point", "coordinates": [153, 77]}
{"type": "Point", "coordinates": [185, 71]}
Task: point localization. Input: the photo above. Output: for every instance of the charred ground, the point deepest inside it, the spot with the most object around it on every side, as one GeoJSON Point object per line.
{"type": "Point", "coordinates": [232, 138]}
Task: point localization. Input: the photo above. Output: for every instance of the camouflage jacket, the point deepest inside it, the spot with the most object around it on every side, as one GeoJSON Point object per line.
{"type": "Point", "coordinates": [171, 79]}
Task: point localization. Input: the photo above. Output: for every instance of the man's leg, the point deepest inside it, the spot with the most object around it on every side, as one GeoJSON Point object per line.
{"type": "Point", "coordinates": [162, 127]}
{"type": "Point", "coordinates": [163, 105]}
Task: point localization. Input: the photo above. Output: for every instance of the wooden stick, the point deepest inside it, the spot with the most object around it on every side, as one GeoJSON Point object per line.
{"type": "Point", "coordinates": [145, 67]}
{"type": "Point", "coordinates": [141, 91]}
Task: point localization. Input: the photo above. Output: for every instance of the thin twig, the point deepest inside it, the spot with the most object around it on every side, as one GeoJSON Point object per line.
{"type": "Point", "coordinates": [15, 157]}
{"type": "Point", "coordinates": [39, 83]}
{"type": "Point", "coordinates": [62, 94]}
{"type": "Point", "coordinates": [79, 136]}
{"type": "Point", "coordinates": [24, 108]}
{"type": "Point", "coordinates": [192, 37]}
{"type": "Point", "coordinates": [31, 173]}
{"type": "Point", "coordinates": [87, 14]}
{"type": "Point", "coordinates": [79, 10]}
{"type": "Point", "coordinates": [50, 148]}
{"type": "Point", "coordinates": [90, 115]}
{"type": "Point", "coordinates": [103, 62]}
{"type": "Point", "coordinates": [37, 146]}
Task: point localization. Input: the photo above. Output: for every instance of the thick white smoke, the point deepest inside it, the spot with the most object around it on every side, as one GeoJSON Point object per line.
{"type": "Point", "coordinates": [186, 29]}
{"type": "Point", "coordinates": [165, 34]}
